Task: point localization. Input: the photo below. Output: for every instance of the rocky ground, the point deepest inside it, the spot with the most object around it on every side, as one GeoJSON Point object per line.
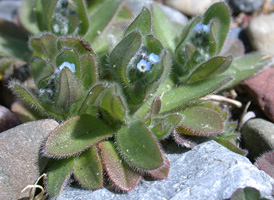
{"type": "Point", "coordinates": [208, 171]}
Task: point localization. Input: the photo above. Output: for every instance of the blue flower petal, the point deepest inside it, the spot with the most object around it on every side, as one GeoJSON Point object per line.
{"type": "Point", "coordinates": [71, 66]}
{"type": "Point", "coordinates": [153, 58]}
{"type": "Point", "coordinates": [143, 65]}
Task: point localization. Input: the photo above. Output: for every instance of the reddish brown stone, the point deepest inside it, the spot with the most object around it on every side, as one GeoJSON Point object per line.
{"type": "Point", "coordinates": [261, 88]}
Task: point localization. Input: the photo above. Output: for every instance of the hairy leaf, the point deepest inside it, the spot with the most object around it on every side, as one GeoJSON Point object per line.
{"type": "Point", "coordinates": [164, 126]}
{"type": "Point", "coordinates": [40, 70]}
{"type": "Point", "coordinates": [118, 171]}
{"type": "Point", "coordinates": [138, 147]}
{"type": "Point", "coordinates": [113, 103]}
{"type": "Point", "coordinates": [122, 54]}
{"type": "Point", "coordinates": [179, 96]}
{"type": "Point", "coordinates": [44, 12]}
{"type": "Point", "coordinates": [91, 97]}
{"type": "Point", "coordinates": [88, 169]}
{"type": "Point", "coordinates": [28, 97]}
{"type": "Point", "coordinates": [75, 135]}
{"type": "Point", "coordinates": [162, 27]}
{"type": "Point", "coordinates": [219, 14]}
{"type": "Point", "coordinates": [59, 173]}
{"type": "Point", "coordinates": [141, 23]}
{"type": "Point", "coordinates": [44, 46]}
{"type": "Point", "coordinates": [69, 89]}
{"type": "Point", "coordinates": [226, 143]}
{"type": "Point", "coordinates": [88, 71]}
{"type": "Point", "coordinates": [200, 121]}
{"type": "Point", "coordinates": [211, 68]}
{"type": "Point", "coordinates": [81, 46]}
{"type": "Point", "coordinates": [100, 18]}
{"type": "Point", "coordinates": [161, 172]}
{"type": "Point", "coordinates": [246, 66]}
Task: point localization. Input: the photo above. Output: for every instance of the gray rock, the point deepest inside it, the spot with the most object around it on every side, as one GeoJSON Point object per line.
{"type": "Point", "coordinates": [191, 7]}
{"type": "Point", "coordinates": [19, 163]}
{"type": "Point", "coordinates": [247, 6]}
{"type": "Point", "coordinates": [257, 137]}
{"type": "Point", "coordinates": [8, 9]}
{"type": "Point", "coordinates": [260, 33]}
{"type": "Point", "coordinates": [209, 171]}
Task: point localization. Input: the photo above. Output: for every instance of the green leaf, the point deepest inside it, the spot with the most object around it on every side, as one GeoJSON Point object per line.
{"type": "Point", "coordinates": [247, 193]}
{"type": "Point", "coordinates": [101, 17]}
{"type": "Point", "coordinates": [161, 172]}
{"type": "Point", "coordinates": [232, 147]}
{"type": "Point", "coordinates": [13, 41]}
{"type": "Point", "coordinates": [83, 25]}
{"type": "Point", "coordinates": [118, 171]}
{"type": "Point", "coordinates": [75, 135]}
{"type": "Point", "coordinates": [154, 109]}
{"type": "Point", "coordinates": [200, 121]}
{"type": "Point", "coordinates": [44, 12]}
{"type": "Point", "coordinates": [142, 23]}
{"type": "Point", "coordinates": [162, 27]}
{"type": "Point", "coordinates": [69, 56]}
{"type": "Point", "coordinates": [178, 97]}
{"type": "Point", "coordinates": [27, 16]}
{"type": "Point", "coordinates": [88, 71]}
{"type": "Point", "coordinates": [58, 175]}
{"type": "Point", "coordinates": [44, 46]}
{"type": "Point", "coordinates": [91, 97]}
{"type": "Point", "coordinates": [138, 147]}
{"type": "Point", "coordinates": [211, 68]}
{"type": "Point", "coordinates": [113, 103]}
{"type": "Point", "coordinates": [40, 70]}
{"type": "Point", "coordinates": [246, 66]}
{"type": "Point", "coordinates": [153, 44]}
{"type": "Point", "coordinates": [163, 126]}
{"type": "Point", "coordinates": [69, 89]}
{"type": "Point", "coordinates": [122, 54]}
{"type": "Point", "coordinates": [218, 14]}
{"type": "Point", "coordinates": [88, 169]}
{"type": "Point", "coordinates": [29, 98]}
{"type": "Point", "coordinates": [79, 45]}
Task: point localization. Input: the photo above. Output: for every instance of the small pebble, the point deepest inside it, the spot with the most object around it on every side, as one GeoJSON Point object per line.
{"type": "Point", "coordinates": [191, 7]}
{"type": "Point", "coordinates": [7, 119]}
{"type": "Point", "coordinates": [260, 33]}
{"type": "Point", "coordinates": [257, 137]}
{"type": "Point", "coordinates": [247, 6]}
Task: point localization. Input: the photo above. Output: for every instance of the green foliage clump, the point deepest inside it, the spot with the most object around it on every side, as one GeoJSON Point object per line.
{"type": "Point", "coordinates": [118, 93]}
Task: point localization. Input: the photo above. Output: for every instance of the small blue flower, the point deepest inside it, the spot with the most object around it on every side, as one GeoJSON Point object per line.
{"type": "Point", "coordinates": [143, 65]}
{"type": "Point", "coordinates": [202, 27]}
{"type": "Point", "coordinates": [153, 58]}
{"type": "Point", "coordinates": [71, 66]}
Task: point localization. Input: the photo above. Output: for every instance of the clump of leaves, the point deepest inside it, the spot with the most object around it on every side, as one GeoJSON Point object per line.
{"type": "Point", "coordinates": [247, 193]}
{"type": "Point", "coordinates": [116, 109]}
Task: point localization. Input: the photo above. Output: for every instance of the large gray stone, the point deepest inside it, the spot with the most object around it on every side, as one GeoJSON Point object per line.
{"type": "Point", "coordinates": [207, 172]}
{"type": "Point", "coordinates": [19, 163]}
{"type": "Point", "coordinates": [258, 137]}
